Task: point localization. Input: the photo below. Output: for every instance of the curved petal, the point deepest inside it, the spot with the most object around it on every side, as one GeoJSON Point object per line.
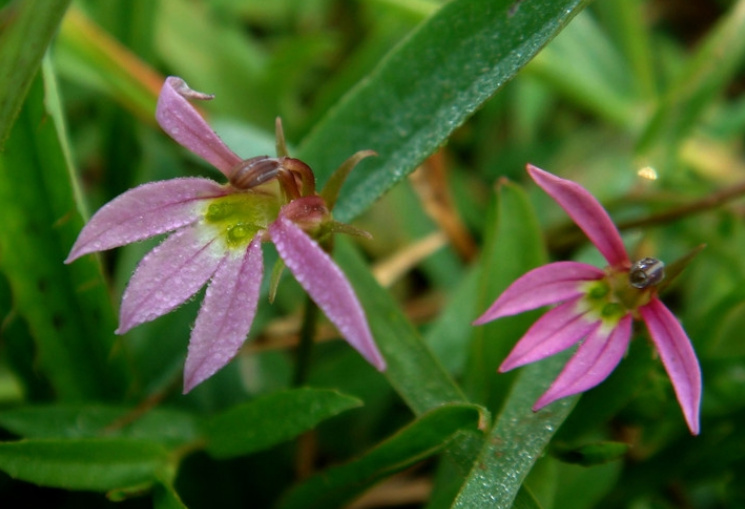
{"type": "Point", "coordinates": [555, 331]}
{"type": "Point", "coordinates": [552, 283]}
{"type": "Point", "coordinates": [595, 359]}
{"type": "Point", "coordinates": [145, 211]}
{"type": "Point", "coordinates": [184, 124]}
{"type": "Point", "coordinates": [587, 212]}
{"type": "Point", "coordinates": [226, 314]}
{"type": "Point", "coordinates": [678, 358]}
{"type": "Point", "coordinates": [327, 286]}
{"type": "Point", "coordinates": [168, 276]}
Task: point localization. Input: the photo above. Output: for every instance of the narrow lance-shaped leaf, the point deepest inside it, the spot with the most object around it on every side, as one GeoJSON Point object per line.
{"type": "Point", "coordinates": [517, 439]}
{"type": "Point", "coordinates": [427, 87]}
{"type": "Point", "coordinates": [426, 436]}
{"type": "Point", "coordinates": [85, 464]}
{"type": "Point", "coordinates": [513, 246]}
{"type": "Point", "coordinates": [272, 419]}
{"type": "Point", "coordinates": [68, 308]}
{"type": "Point", "coordinates": [167, 426]}
{"type": "Point", "coordinates": [412, 369]}
{"type": "Point", "coordinates": [30, 26]}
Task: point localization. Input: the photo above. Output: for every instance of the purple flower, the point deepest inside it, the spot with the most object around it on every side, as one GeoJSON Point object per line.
{"type": "Point", "coordinates": [596, 309]}
{"type": "Point", "coordinates": [217, 235]}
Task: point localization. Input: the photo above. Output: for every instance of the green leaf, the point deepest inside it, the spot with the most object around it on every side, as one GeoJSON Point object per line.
{"type": "Point", "coordinates": [525, 500]}
{"type": "Point", "coordinates": [270, 420]}
{"type": "Point", "coordinates": [513, 246]}
{"type": "Point", "coordinates": [85, 464]}
{"type": "Point", "coordinates": [68, 308]}
{"type": "Point", "coordinates": [165, 497]}
{"type": "Point", "coordinates": [517, 439]}
{"type": "Point", "coordinates": [426, 436]}
{"type": "Point", "coordinates": [426, 87]}
{"type": "Point", "coordinates": [412, 370]}
{"type": "Point", "coordinates": [584, 65]}
{"type": "Point", "coordinates": [167, 426]}
{"type": "Point", "coordinates": [27, 29]}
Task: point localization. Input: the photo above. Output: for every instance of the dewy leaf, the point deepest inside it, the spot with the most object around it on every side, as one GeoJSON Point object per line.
{"type": "Point", "coordinates": [517, 439]}
{"type": "Point", "coordinates": [426, 436]}
{"type": "Point", "coordinates": [30, 26]}
{"type": "Point", "coordinates": [272, 419]}
{"type": "Point", "coordinates": [68, 308]}
{"type": "Point", "coordinates": [412, 369]}
{"type": "Point", "coordinates": [427, 87]}
{"type": "Point", "coordinates": [84, 464]}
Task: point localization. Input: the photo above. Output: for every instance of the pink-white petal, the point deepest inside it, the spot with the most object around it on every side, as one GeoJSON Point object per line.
{"type": "Point", "coordinates": [168, 275]}
{"type": "Point", "coordinates": [226, 314]}
{"type": "Point", "coordinates": [549, 284]}
{"type": "Point", "coordinates": [587, 212]}
{"type": "Point", "coordinates": [184, 124]}
{"type": "Point", "coordinates": [555, 331]}
{"type": "Point", "coordinates": [594, 360]}
{"type": "Point", "coordinates": [678, 358]}
{"type": "Point", "coordinates": [327, 286]}
{"type": "Point", "coordinates": [145, 211]}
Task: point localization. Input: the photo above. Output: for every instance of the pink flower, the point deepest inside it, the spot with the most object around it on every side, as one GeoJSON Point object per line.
{"type": "Point", "coordinates": [597, 308]}
{"type": "Point", "coordinates": [217, 234]}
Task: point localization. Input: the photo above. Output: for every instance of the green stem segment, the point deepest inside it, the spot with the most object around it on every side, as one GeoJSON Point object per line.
{"type": "Point", "coordinates": [305, 345]}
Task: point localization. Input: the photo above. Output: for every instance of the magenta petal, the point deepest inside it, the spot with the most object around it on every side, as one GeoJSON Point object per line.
{"type": "Point", "coordinates": [226, 314]}
{"type": "Point", "coordinates": [145, 211]}
{"type": "Point", "coordinates": [555, 331]}
{"type": "Point", "coordinates": [168, 276]}
{"type": "Point", "coordinates": [552, 283]}
{"type": "Point", "coordinates": [587, 212]}
{"type": "Point", "coordinates": [678, 358]}
{"type": "Point", "coordinates": [184, 124]}
{"type": "Point", "coordinates": [326, 284]}
{"type": "Point", "coordinates": [594, 360]}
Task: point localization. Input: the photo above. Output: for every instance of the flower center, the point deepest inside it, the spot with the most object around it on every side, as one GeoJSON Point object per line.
{"type": "Point", "coordinates": [240, 216]}
{"type": "Point", "coordinates": [623, 291]}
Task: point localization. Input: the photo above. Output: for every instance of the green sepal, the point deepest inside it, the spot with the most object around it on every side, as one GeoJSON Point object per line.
{"type": "Point", "coordinates": [330, 191]}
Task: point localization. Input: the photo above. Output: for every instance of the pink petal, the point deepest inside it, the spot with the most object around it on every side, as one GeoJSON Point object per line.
{"type": "Point", "coordinates": [168, 276]}
{"type": "Point", "coordinates": [587, 212]}
{"type": "Point", "coordinates": [145, 211]}
{"type": "Point", "coordinates": [552, 283]}
{"type": "Point", "coordinates": [595, 359]}
{"type": "Point", "coordinates": [555, 331]}
{"type": "Point", "coordinates": [678, 358]}
{"type": "Point", "coordinates": [184, 124]}
{"type": "Point", "coordinates": [327, 286]}
{"type": "Point", "coordinates": [226, 314]}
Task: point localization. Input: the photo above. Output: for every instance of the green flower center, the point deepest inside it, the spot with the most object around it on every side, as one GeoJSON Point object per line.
{"type": "Point", "coordinates": [613, 297]}
{"type": "Point", "coordinates": [239, 217]}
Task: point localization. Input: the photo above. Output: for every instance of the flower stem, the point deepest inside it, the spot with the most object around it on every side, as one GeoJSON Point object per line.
{"type": "Point", "coordinates": [305, 345]}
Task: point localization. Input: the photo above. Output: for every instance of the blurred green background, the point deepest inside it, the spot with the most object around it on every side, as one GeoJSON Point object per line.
{"type": "Point", "coordinates": [640, 101]}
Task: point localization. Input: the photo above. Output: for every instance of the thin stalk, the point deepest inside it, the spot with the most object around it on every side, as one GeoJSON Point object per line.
{"type": "Point", "coordinates": [305, 344]}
